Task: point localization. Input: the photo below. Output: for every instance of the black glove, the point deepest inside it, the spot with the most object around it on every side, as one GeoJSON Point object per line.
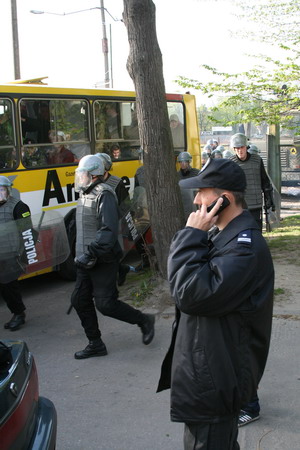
{"type": "Point", "coordinates": [269, 203]}
{"type": "Point", "coordinates": [85, 261]}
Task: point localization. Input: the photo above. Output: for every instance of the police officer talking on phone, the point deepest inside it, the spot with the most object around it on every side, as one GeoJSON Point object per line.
{"type": "Point", "coordinates": [222, 279]}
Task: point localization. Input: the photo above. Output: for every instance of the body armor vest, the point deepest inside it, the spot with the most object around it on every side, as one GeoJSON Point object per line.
{"type": "Point", "coordinates": [252, 169]}
{"type": "Point", "coordinates": [87, 219]}
{"type": "Point", "coordinates": [113, 181]}
{"type": "Point", "coordinates": [10, 239]}
{"type": "Point", "coordinates": [188, 174]}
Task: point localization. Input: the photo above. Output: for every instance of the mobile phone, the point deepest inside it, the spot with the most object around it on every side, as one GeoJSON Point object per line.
{"type": "Point", "coordinates": [225, 203]}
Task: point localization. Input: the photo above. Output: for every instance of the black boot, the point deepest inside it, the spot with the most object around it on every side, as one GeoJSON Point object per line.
{"type": "Point", "coordinates": [147, 327]}
{"type": "Point", "coordinates": [15, 322]}
{"type": "Point", "coordinates": [94, 348]}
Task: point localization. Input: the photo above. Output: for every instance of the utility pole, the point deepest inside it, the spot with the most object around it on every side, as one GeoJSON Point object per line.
{"type": "Point", "coordinates": [104, 46]}
{"type": "Point", "coordinates": [14, 21]}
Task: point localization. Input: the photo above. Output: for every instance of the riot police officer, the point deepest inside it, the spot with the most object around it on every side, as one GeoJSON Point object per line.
{"type": "Point", "coordinates": [258, 182]}
{"type": "Point", "coordinates": [97, 259]}
{"type": "Point", "coordinates": [12, 210]}
{"type": "Point", "coordinates": [186, 171]}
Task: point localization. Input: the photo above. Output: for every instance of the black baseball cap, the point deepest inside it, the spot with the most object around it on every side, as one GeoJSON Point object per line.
{"type": "Point", "coordinates": [220, 174]}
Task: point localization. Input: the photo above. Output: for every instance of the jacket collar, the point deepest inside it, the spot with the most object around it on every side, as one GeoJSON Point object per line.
{"type": "Point", "coordinates": [244, 221]}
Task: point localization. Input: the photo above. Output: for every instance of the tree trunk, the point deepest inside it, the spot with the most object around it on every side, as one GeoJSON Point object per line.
{"type": "Point", "coordinates": [144, 65]}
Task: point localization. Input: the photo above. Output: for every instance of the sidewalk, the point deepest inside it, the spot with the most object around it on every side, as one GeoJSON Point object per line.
{"type": "Point", "coordinates": [110, 403]}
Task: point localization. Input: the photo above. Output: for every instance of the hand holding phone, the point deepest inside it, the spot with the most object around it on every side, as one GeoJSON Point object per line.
{"type": "Point", "coordinates": [225, 203]}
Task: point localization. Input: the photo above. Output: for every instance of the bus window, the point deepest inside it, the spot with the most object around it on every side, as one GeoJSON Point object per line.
{"type": "Point", "coordinates": [176, 118]}
{"type": "Point", "coordinates": [32, 155]}
{"type": "Point", "coordinates": [58, 127]}
{"type": "Point", "coordinates": [107, 120]}
{"type": "Point", "coordinates": [7, 140]}
{"type": "Point", "coordinates": [116, 129]}
{"type": "Point", "coordinates": [131, 130]}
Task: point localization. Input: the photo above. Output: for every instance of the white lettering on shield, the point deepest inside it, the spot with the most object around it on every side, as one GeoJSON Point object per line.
{"type": "Point", "coordinates": [31, 253]}
{"type": "Point", "coordinates": [131, 226]}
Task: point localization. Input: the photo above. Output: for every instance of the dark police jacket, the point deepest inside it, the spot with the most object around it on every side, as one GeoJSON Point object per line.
{"type": "Point", "coordinates": [223, 288]}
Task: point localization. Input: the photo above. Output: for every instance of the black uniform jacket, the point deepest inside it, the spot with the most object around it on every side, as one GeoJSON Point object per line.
{"type": "Point", "coordinates": [223, 288]}
{"type": "Point", "coordinates": [106, 246]}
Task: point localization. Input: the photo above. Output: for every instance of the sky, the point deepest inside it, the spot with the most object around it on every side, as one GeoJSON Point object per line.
{"type": "Point", "coordinates": [68, 48]}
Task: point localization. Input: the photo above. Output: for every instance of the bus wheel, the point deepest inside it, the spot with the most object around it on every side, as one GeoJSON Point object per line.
{"type": "Point", "coordinates": [67, 270]}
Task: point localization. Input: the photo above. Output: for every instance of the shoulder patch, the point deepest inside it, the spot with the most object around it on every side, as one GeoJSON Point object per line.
{"type": "Point", "coordinates": [245, 237]}
{"type": "Point", "coordinates": [26, 214]}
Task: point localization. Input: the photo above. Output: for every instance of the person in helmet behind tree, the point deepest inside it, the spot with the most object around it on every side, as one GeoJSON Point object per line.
{"type": "Point", "coordinates": [12, 210]}
{"type": "Point", "coordinates": [117, 184]}
{"type": "Point", "coordinates": [186, 171]}
{"type": "Point", "coordinates": [97, 259]}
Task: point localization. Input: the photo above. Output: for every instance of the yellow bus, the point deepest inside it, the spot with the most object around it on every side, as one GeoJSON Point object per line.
{"type": "Point", "coordinates": [44, 131]}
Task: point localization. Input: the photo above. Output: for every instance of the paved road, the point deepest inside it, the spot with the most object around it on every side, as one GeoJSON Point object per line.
{"type": "Point", "coordinates": [109, 403]}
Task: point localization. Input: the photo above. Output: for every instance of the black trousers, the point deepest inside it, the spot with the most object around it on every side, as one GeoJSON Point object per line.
{"type": "Point", "coordinates": [212, 436]}
{"type": "Point", "coordinates": [12, 296]}
{"type": "Point", "coordinates": [97, 287]}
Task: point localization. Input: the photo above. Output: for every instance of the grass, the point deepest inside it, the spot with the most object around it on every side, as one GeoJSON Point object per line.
{"type": "Point", "coordinates": [144, 284]}
{"type": "Point", "coordinates": [284, 241]}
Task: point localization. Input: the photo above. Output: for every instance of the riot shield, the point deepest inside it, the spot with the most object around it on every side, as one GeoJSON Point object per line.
{"type": "Point", "coordinates": [32, 244]}
{"type": "Point", "coordinates": [134, 221]}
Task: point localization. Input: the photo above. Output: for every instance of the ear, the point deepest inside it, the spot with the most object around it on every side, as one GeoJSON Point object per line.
{"type": "Point", "coordinates": [229, 195]}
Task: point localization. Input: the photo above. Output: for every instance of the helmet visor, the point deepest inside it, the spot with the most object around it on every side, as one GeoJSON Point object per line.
{"type": "Point", "coordinates": [83, 179]}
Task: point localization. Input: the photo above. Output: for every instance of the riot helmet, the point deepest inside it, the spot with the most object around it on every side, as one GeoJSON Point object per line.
{"type": "Point", "coordinates": [221, 148]}
{"type": "Point", "coordinates": [216, 154]}
{"type": "Point", "coordinates": [210, 142]}
{"type": "Point", "coordinates": [208, 148]}
{"type": "Point", "coordinates": [89, 166]}
{"type": "Point", "coordinates": [5, 188]}
{"type": "Point", "coordinates": [238, 140]}
{"type": "Point", "coordinates": [184, 157]}
{"type": "Point", "coordinates": [106, 160]}
{"type": "Point", "coordinates": [253, 149]}
{"type": "Point", "coordinates": [227, 154]}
